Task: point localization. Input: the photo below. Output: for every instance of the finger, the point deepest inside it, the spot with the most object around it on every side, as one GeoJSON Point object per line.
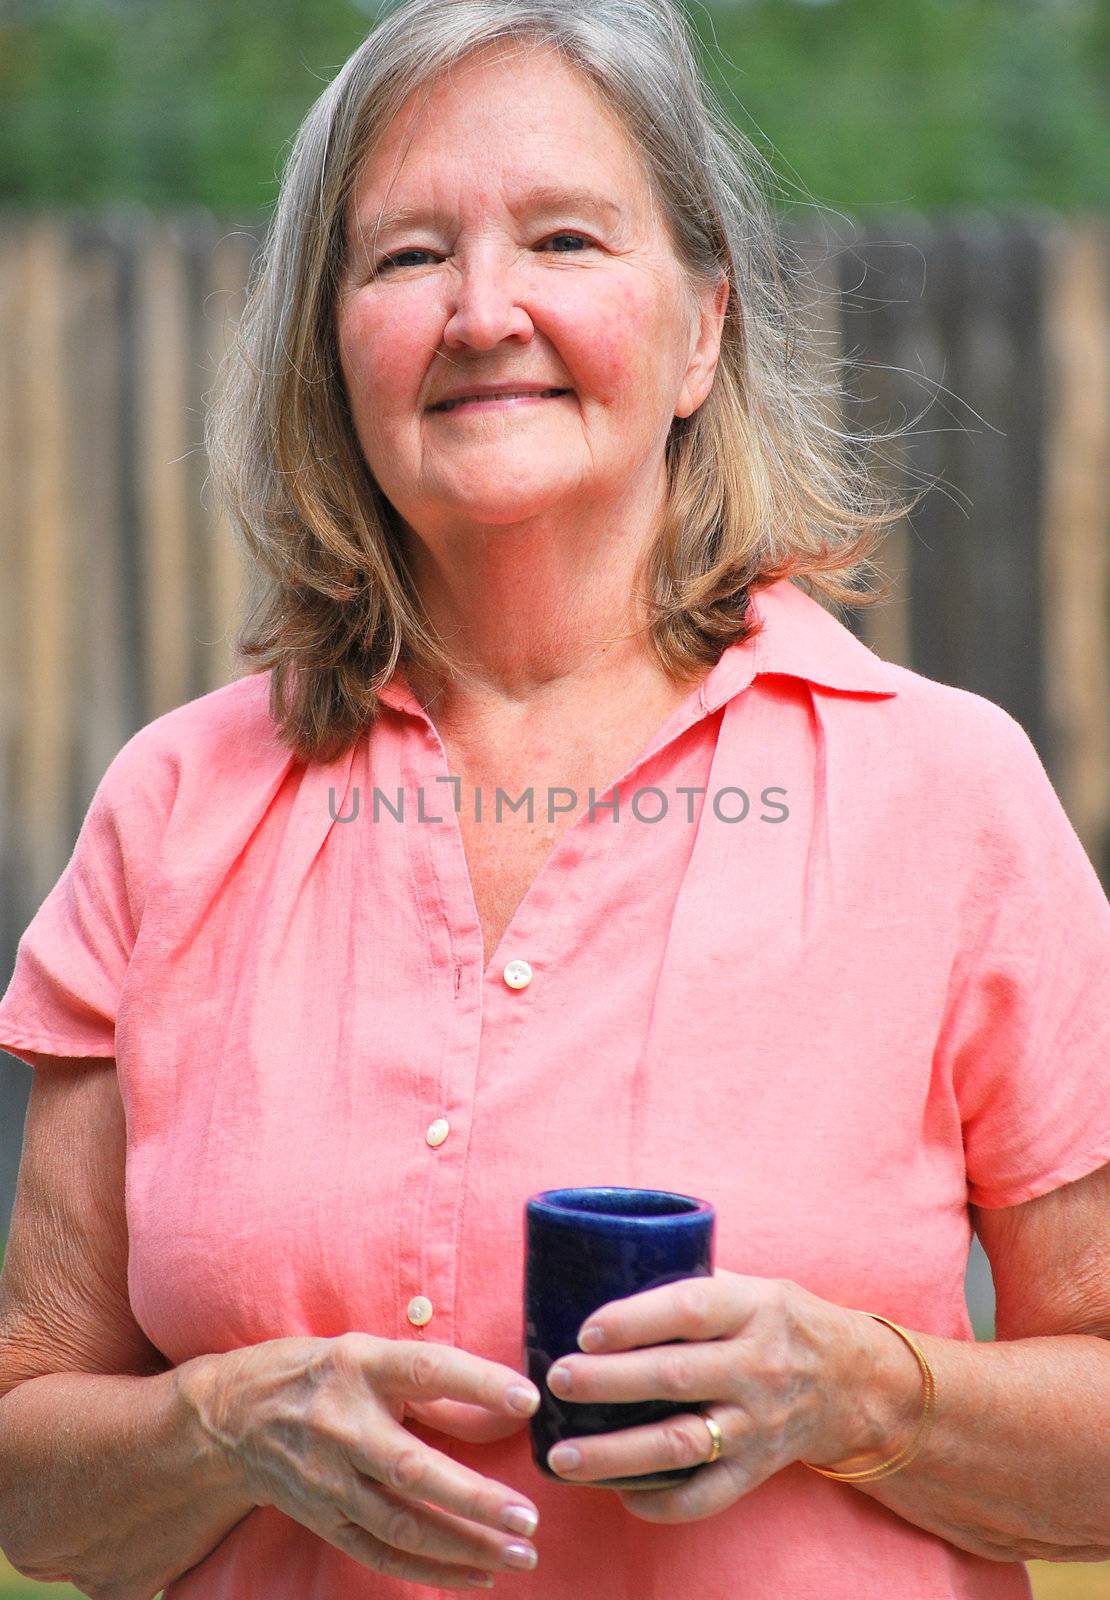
{"type": "Point", "coordinates": [681, 1441]}
{"type": "Point", "coordinates": [365, 1520]}
{"type": "Point", "coordinates": [472, 1423]}
{"type": "Point", "coordinates": [682, 1371]}
{"type": "Point", "coordinates": [370, 1552]}
{"type": "Point", "coordinates": [411, 1369]}
{"type": "Point", "coordinates": [693, 1308]}
{"type": "Point", "coordinates": [402, 1464]}
{"type": "Point", "coordinates": [409, 1529]}
{"type": "Point", "coordinates": [711, 1490]}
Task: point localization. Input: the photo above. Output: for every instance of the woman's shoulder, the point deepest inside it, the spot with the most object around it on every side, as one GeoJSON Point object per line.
{"type": "Point", "coordinates": [218, 721]}
{"type": "Point", "coordinates": [965, 774]}
{"type": "Point", "coordinates": [206, 750]}
{"type": "Point", "coordinates": [955, 734]}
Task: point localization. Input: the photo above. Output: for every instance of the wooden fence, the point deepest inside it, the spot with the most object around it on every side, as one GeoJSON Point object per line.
{"type": "Point", "coordinates": [121, 577]}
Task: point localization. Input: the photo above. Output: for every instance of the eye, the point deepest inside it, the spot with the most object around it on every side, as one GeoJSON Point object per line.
{"type": "Point", "coordinates": [579, 236]}
{"type": "Point", "coordinates": [387, 262]}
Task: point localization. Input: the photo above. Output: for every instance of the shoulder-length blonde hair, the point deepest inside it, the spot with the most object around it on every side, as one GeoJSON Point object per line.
{"type": "Point", "coordinates": [762, 483]}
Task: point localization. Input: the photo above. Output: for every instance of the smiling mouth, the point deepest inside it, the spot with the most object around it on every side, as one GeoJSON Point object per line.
{"type": "Point", "coordinates": [508, 398]}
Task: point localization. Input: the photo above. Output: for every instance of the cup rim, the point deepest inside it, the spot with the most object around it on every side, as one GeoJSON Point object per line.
{"type": "Point", "coordinates": [551, 1204]}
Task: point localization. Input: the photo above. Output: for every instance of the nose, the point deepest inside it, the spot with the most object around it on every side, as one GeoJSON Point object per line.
{"type": "Point", "coordinates": [484, 302]}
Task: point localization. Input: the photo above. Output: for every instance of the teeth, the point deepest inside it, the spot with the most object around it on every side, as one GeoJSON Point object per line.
{"type": "Point", "coordinates": [546, 394]}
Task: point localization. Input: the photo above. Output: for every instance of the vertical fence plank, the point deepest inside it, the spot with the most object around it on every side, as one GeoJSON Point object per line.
{"type": "Point", "coordinates": [163, 434]}
{"type": "Point", "coordinates": [94, 374]}
{"type": "Point", "coordinates": [940, 555]}
{"type": "Point", "coordinates": [228, 271]}
{"type": "Point", "coordinates": [882, 281]}
{"type": "Point", "coordinates": [44, 564]}
{"type": "Point", "coordinates": [1075, 570]}
{"type": "Point", "coordinates": [194, 238]}
{"type": "Point", "coordinates": [1009, 510]}
{"type": "Point", "coordinates": [820, 316]}
{"type": "Point", "coordinates": [985, 593]}
{"type": "Point", "coordinates": [12, 520]}
{"type": "Point", "coordinates": [122, 227]}
{"type": "Point", "coordinates": [14, 895]}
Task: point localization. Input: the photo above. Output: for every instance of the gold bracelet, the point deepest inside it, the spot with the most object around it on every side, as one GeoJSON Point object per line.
{"type": "Point", "coordinates": [905, 1456]}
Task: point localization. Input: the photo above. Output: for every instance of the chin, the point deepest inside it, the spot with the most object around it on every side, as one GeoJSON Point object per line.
{"type": "Point", "coordinates": [501, 509]}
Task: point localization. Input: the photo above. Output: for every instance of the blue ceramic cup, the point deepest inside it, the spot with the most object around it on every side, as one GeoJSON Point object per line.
{"type": "Point", "coordinates": [585, 1247]}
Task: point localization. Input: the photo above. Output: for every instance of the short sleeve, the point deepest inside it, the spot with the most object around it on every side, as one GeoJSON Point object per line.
{"type": "Point", "coordinates": [71, 959]}
{"type": "Point", "coordinates": [1026, 1037]}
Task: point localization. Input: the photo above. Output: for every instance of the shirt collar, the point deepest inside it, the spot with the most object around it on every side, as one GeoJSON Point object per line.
{"type": "Point", "coordinates": [798, 637]}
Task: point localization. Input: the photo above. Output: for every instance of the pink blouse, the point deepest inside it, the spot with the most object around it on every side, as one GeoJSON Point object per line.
{"type": "Point", "coordinates": [828, 953]}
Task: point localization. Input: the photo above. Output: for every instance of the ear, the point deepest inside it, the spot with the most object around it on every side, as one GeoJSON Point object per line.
{"type": "Point", "coordinates": [705, 347]}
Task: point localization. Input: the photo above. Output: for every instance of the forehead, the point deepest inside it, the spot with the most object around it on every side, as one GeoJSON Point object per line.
{"type": "Point", "coordinates": [524, 128]}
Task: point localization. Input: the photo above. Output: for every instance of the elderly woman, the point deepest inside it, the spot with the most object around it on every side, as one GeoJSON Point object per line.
{"type": "Point", "coordinates": [323, 994]}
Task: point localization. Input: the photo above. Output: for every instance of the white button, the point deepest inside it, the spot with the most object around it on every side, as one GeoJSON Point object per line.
{"type": "Point", "coordinates": [420, 1310]}
{"type": "Point", "coordinates": [437, 1131]}
{"type": "Point", "coordinates": [518, 974]}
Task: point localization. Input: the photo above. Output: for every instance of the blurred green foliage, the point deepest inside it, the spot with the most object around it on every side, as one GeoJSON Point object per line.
{"type": "Point", "coordinates": [914, 103]}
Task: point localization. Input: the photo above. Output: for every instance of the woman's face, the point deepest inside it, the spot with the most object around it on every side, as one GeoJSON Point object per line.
{"type": "Point", "coordinates": [487, 281]}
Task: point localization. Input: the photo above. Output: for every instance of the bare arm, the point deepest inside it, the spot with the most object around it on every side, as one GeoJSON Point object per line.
{"type": "Point", "coordinates": [1017, 1465]}
{"type": "Point", "coordinates": [106, 1478]}
{"type": "Point", "coordinates": [108, 1482]}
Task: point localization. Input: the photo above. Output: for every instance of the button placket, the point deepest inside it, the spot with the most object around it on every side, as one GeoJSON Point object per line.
{"type": "Point", "coordinates": [474, 1007]}
{"type": "Point", "coordinates": [432, 1204]}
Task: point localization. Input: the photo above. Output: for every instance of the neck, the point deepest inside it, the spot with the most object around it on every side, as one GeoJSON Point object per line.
{"type": "Point", "coordinates": [539, 615]}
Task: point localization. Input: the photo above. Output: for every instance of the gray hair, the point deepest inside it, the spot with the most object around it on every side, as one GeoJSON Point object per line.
{"type": "Point", "coordinates": [762, 483]}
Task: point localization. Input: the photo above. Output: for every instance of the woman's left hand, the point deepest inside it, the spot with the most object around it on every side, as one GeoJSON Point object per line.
{"type": "Point", "coordinates": [785, 1375]}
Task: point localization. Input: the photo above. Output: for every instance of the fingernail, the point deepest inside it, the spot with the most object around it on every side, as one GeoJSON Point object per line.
{"type": "Point", "coordinates": [520, 1555]}
{"type": "Point", "coordinates": [522, 1399]}
{"type": "Point", "coordinates": [560, 1380]}
{"type": "Point", "coordinates": [591, 1337]}
{"type": "Point", "coordinates": [564, 1458]}
{"type": "Point", "coordinates": [480, 1580]}
{"type": "Point", "coordinates": [518, 1519]}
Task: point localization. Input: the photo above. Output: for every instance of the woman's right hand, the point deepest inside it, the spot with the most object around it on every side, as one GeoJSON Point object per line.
{"type": "Point", "coordinates": [316, 1428]}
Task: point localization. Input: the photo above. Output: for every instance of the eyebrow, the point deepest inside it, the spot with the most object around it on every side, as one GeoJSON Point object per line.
{"type": "Point", "coordinates": [540, 199]}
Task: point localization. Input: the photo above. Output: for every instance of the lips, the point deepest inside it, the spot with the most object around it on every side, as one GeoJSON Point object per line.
{"type": "Point", "coordinates": [501, 394]}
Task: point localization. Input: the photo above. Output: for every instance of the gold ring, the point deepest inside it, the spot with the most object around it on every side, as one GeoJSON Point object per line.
{"type": "Point", "coordinates": [715, 1435]}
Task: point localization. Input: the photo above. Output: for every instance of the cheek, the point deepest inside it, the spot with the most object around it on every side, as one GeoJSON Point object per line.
{"type": "Point", "coordinates": [616, 344]}
{"type": "Point", "coordinates": [383, 352]}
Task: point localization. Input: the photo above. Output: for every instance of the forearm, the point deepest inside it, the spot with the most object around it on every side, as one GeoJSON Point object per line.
{"type": "Point", "coordinates": [109, 1483]}
{"type": "Point", "coordinates": [1016, 1465]}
